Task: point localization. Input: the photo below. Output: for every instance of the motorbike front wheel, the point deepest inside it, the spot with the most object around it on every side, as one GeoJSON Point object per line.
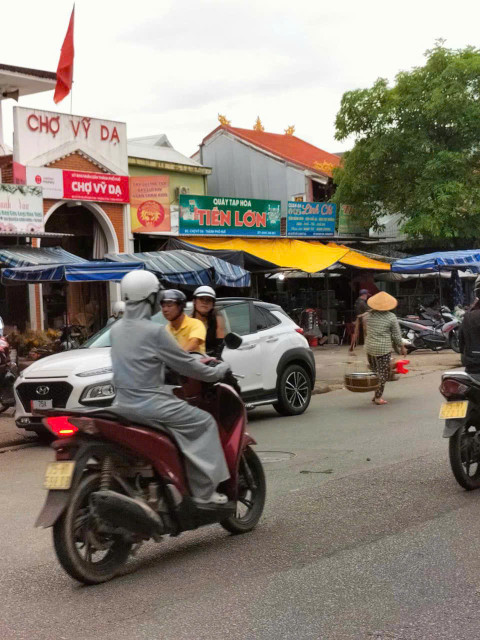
{"type": "Point", "coordinates": [86, 554]}
{"type": "Point", "coordinates": [251, 495]}
{"type": "Point", "coordinates": [464, 458]}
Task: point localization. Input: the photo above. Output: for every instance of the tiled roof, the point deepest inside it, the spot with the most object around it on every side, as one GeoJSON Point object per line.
{"type": "Point", "coordinates": [287, 147]}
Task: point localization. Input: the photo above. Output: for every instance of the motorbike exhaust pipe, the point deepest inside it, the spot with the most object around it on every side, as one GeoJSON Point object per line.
{"type": "Point", "coordinates": [124, 512]}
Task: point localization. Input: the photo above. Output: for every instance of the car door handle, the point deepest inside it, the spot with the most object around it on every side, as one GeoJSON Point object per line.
{"type": "Point", "coordinates": [271, 340]}
{"type": "Point", "coordinates": [247, 347]}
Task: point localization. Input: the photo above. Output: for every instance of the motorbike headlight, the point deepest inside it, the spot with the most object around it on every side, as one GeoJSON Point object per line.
{"type": "Point", "coordinates": [104, 392]}
{"type": "Point", "coordinates": [94, 372]}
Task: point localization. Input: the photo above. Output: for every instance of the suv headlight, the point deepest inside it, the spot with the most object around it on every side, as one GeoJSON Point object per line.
{"type": "Point", "coordinates": [94, 372]}
{"type": "Point", "coordinates": [104, 392]}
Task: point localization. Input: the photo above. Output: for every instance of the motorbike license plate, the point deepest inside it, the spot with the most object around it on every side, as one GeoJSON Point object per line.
{"type": "Point", "coordinates": [59, 475]}
{"type": "Point", "coordinates": [450, 410]}
{"type": "Point", "coordinates": [42, 404]}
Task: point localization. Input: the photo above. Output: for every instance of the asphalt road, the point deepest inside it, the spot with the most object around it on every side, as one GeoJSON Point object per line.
{"type": "Point", "coordinates": [365, 535]}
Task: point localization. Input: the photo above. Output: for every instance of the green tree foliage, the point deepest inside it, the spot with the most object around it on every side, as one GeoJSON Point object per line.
{"type": "Point", "coordinates": [417, 147]}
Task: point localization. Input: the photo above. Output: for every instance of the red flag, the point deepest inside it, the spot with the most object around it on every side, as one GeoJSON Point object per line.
{"type": "Point", "coordinates": [65, 64]}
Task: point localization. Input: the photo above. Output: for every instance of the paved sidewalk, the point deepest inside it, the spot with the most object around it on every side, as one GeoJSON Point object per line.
{"type": "Point", "coordinates": [331, 361]}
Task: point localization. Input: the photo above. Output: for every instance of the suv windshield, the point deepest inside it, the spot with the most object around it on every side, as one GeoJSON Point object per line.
{"type": "Point", "coordinates": [102, 338]}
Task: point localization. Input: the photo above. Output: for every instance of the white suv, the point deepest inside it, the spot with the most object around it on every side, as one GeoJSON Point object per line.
{"type": "Point", "coordinates": [274, 359]}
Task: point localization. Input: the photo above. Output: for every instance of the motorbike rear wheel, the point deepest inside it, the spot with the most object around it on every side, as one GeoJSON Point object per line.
{"type": "Point", "coordinates": [252, 493]}
{"type": "Point", "coordinates": [453, 341]}
{"type": "Point", "coordinates": [77, 540]}
{"type": "Point", "coordinates": [464, 458]}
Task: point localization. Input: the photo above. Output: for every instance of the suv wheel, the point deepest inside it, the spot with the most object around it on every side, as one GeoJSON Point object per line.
{"type": "Point", "coordinates": [294, 391]}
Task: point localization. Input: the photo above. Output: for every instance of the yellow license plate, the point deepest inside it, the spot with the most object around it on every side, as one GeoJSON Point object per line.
{"type": "Point", "coordinates": [59, 475]}
{"type": "Point", "coordinates": [450, 410]}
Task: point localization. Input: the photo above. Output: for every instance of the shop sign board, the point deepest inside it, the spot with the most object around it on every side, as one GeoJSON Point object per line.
{"type": "Point", "coordinates": [311, 219]}
{"type": "Point", "coordinates": [58, 184]}
{"type": "Point", "coordinates": [222, 216]}
{"type": "Point", "coordinates": [51, 181]}
{"type": "Point", "coordinates": [102, 187]}
{"type": "Point", "coordinates": [350, 223]}
{"type": "Point", "coordinates": [40, 133]}
{"type": "Point", "coordinates": [21, 209]}
{"type": "Point", "coordinates": [150, 204]}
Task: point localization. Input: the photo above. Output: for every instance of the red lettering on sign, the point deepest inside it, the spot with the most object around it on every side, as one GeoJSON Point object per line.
{"type": "Point", "coordinates": [32, 117]}
{"type": "Point", "coordinates": [249, 219]}
{"type": "Point", "coordinates": [201, 214]}
{"type": "Point", "coordinates": [44, 124]}
{"type": "Point", "coordinates": [238, 222]}
{"type": "Point", "coordinates": [86, 126]}
{"type": "Point", "coordinates": [225, 218]}
{"type": "Point", "coordinates": [75, 128]}
{"type": "Point", "coordinates": [261, 219]}
{"type": "Point", "coordinates": [104, 132]}
{"type": "Point", "coordinates": [215, 217]}
{"type": "Point", "coordinates": [115, 135]}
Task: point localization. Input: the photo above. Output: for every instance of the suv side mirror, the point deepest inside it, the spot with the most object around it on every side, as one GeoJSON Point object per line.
{"type": "Point", "coordinates": [233, 340]}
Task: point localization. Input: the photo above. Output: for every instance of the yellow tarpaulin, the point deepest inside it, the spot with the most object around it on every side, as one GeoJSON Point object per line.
{"type": "Point", "coordinates": [360, 261]}
{"type": "Point", "coordinates": [293, 254]}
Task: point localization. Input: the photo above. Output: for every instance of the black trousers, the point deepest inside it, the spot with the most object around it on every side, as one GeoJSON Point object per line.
{"type": "Point", "coordinates": [381, 366]}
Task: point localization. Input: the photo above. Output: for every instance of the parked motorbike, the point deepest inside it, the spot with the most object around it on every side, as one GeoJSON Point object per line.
{"type": "Point", "coordinates": [461, 413]}
{"type": "Point", "coordinates": [421, 333]}
{"type": "Point", "coordinates": [116, 484]}
{"type": "Point", "coordinates": [8, 375]}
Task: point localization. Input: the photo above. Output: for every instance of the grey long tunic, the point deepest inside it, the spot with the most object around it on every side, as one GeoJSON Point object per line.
{"type": "Point", "coordinates": [140, 351]}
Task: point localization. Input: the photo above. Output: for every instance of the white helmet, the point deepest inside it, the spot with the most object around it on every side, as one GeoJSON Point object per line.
{"type": "Point", "coordinates": [139, 285]}
{"type": "Point", "coordinates": [118, 309]}
{"type": "Point", "coordinates": [205, 292]}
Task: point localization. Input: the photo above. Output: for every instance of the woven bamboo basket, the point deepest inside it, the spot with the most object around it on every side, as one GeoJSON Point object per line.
{"type": "Point", "coordinates": [359, 379]}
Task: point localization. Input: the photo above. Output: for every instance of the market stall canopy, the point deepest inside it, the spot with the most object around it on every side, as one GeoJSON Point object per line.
{"type": "Point", "coordinates": [361, 259]}
{"type": "Point", "coordinates": [32, 256]}
{"type": "Point", "coordinates": [187, 268]}
{"type": "Point", "coordinates": [405, 277]}
{"type": "Point", "coordinates": [280, 252]}
{"type": "Point", "coordinates": [310, 257]}
{"type": "Point", "coordinates": [240, 258]}
{"type": "Point", "coordinates": [469, 258]}
{"type": "Point", "coordinates": [85, 272]}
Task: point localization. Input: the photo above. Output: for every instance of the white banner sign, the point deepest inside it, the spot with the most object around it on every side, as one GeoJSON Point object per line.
{"type": "Point", "coordinates": [51, 181]}
{"type": "Point", "coordinates": [21, 209]}
{"type": "Point", "coordinates": [42, 136]}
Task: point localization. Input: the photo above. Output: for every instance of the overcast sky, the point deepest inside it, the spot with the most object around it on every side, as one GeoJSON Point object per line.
{"type": "Point", "coordinates": [170, 66]}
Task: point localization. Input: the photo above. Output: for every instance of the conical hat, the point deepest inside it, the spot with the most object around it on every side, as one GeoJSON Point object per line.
{"type": "Point", "coordinates": [382, 302]}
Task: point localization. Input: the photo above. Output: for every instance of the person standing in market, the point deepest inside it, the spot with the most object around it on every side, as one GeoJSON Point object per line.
{"type": "Point", "coordinates": [361, 305]}
{"type": "Point", "coordinates": [383, 335]}
{"type": "Point", "coordinates": [360, 308]}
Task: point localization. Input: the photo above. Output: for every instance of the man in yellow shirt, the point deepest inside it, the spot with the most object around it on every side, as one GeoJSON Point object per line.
{"type": "Point", "coordinates": [190, 333]}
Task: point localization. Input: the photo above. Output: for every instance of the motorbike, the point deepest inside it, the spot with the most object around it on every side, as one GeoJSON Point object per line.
{"type": "Point", "coordinates": [421, 333]}
{"type": "Point", "coordinates": [8, 375]}
{"type": "Point", "coordinates": [461, 413]}
{"type": "Point", "coordinates": [116, 484]}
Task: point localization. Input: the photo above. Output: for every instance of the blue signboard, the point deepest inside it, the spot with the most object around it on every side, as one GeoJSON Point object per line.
{"type": "Point", "coordinates": [311, 218]}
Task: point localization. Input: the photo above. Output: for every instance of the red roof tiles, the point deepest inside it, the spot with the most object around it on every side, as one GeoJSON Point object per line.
{"type": "Point", "coordinates": [287, 147]}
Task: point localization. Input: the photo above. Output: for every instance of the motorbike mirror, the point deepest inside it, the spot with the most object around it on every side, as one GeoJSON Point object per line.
{"type": "Point", "coordinates": [233, 340]}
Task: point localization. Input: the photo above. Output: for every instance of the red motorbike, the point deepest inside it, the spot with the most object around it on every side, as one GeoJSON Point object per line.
{"type": "Point", "coordinates": [115, 484]}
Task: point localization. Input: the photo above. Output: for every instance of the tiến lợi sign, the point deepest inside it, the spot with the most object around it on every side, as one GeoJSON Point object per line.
{"type": "Point", "coordinates": [311, 218]}
{"type": "Point", "coordinates": [21, 209]}
{"type": "Point", "coordinates": [206, 215]}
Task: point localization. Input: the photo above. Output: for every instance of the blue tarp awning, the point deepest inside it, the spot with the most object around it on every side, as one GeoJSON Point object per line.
{"type": "Point", "coordinates": [188, 268]}
{"type": "Point", "coordinates": [439, 261]}
{"type": "Point", "coordinates": [31, 256]}
{"type": "Point", "coordinates": [84, 272]}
